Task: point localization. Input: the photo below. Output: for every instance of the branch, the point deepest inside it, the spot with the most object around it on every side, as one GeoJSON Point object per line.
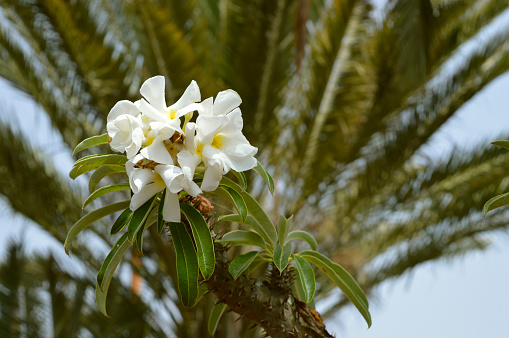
{"type": "Point", "coordinates": [268, 304]}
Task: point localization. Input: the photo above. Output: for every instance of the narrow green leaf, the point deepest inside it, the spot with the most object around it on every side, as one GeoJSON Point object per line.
{"type": "Point", "coordinates": [254, 209]}
{"type": "Point", "coordinates": [113, 258]}
{"type": "Point", "coordinates": [282, 255]}
{"type": "Point", "coordinates": [215, 316]}
{"type": "Point", "coordinates": [260, 216]}
{"type": "Point", "coordinates": [241, 178]}
{"type": "Point", "coordinates": [241, 237]}
{"type": "Point", "coordinates": [250, 222]}
{"type": "Point", "coordinates": [101, 173]}
{"type": "Point", "coordinates": [121, 221]}
{"type": "Point", "coordinates": [139, 218]}
{"type": "Point", "coordinates": [90, 218]}
{"type": "Point", "coordinates": [101, 159]}
{"type": "Point", "coordinates": [202, 238]}
{"type": "Point", "coordinates": [255, 263]}
{"type": "Point", "coordinates": [240, 263]}
{"type": "Point", "coordinates": [501, 143]}
{"type": "Point", "coordinates": [187, 263]}
{"type": "Point", "coordinates": [83, 169]}
{"type": "Point", "coordinates": [283, 226]}
{"type": "Point", "coordinates": [148, 222]}
{"type": "Point", "coordinates": [342, 279]}
{"type": "Point", "coordinates": [496, 202]}
{"type": "Point", "coordinates": [265, 176]}
{"type": "Point", "coordinates": [90, 142]}
{"type": "Point", "coordinates": [303, 236]}
{"type": "Point", "coordinates": [234, 198]}
{"type": "Point", "coordinates": [306, 278]}
{"type": "Point", "coordinates": [105, 190]}
{"type": "Point", "coordinates": [160, 220]}
{"type": "Point", "coordinates": [107, 270]}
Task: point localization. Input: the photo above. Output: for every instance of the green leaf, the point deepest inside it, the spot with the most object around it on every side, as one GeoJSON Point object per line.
{"type": "Point", "coordinates": [202, 238]}
{"type": "Point", "coordinates": [90, 218]}
{"type": "Point", "coordinates": [342, 279]}
{"type": "Point", "coordinates": [160, 220]}
{"type": "Point", "coordinates": [139, 235]}
{"type": "Point", "coordinates": [241, 237]}
{"type": "Point", "coordinates": [501, 143]}
{"type": "Point", "coordinates": [187, 263]}
{"type": "Point", "coordinates": [113, 258]}
{"type": "Point", "coordinates": [241, 178]}
{"type": "Point", "coordinates": [496, 202]}
{"type": "Point", "coordinates": [101, 159]}
{"type": "Point", "coordinates": [104, 190]}
{"type": "Point", "coordinates": [234, 198]}
{"type": "Point", "coordinates": [260, 216]}
{"type": "Point", "coordinates": [240, 263]}
{"type": "Point", "coordinates": [215, 316]}
{"type": "Point", "coordinates": [303, 236]}
{"type": "Point", "coordinates": [101, 173]}
{"type": "Point", "coordinates": [90, 142]}
{"type": "Point", "coordinates": [121, 221]}
{"type": "Point", "coordinates": [139, 218]}
{"type": "Point", "coordinates": [94, 162]}
{"type": "Point", "coordinates": [250, 222]}
{"type": "Point", "coordinates": [265, 176]}
{"type": "Point", "coordinates": [306, 278]}
{"type": "Point", "coordinates": [282, 255]}
{"type": "Point", "coordinates": [107, 270]}
{"type": "Point", "coordinates": [283, 226]}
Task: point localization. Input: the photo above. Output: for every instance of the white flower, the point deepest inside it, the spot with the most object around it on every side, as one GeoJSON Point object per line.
{"type": "Point", "coordinates": [125, 128]}
{"type": "Point", "coordinates": [219, 141]}
{"type": "Point", "coordinates": [154, 106]}
{"type": "Point", "coordinates": [146, 181]}
{"type": "Point", "coordinates": [163, 121]}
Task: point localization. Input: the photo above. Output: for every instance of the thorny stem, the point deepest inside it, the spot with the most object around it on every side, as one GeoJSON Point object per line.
{"type": "Point", "coordinates": [270, 304]}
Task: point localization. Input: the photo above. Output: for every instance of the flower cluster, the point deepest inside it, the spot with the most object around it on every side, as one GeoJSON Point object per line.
{"type": "Point", "coordinates": [164, 148]}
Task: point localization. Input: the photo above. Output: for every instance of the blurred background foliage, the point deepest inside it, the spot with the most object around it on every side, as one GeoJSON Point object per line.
{"type": "Point", "coordinates": [339, 99]}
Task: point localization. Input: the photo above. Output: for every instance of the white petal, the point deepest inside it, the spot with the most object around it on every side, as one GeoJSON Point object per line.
{"type": "Point", "coordinates": [137, 200]}
{"type": "Point", "coordinates": [235, 122]}
{"type": "Point", "coordinates": [172, 176]}
{"type": "Point", "coordinates": [207, 107]}
{"type": "Point", "coordinates": [236, 144]}
{"type": "Point", "coordinates": [157, 152]}
{"type": "Point", "coordinates": [191, 95]}
{"type": "Point", "coordinates": [140, 178]}
{"type": "Point", "coordinates": [211, 178]}
{"type": "Point", "coordinates": [193, 189]}
{"type": "Point", "coordinates": [187, 109]}
{"type": "Point", "coordinates": [242, 163]}
{"type": "Point", "coordinates": [189, 137]}
{"type": "Point", "coordinates": [188, 162]}
{"type": "Point", "coordinates": [208, 126]}
{"type": "Point", "coordinates": [121, 108]}
{"type": "Point", "coordinates": [164, 130]}
{"type": "Point", "coordinates": [171, 208]}
{"type": "Point", "coordinates": [153, 91]}
{"type": "Point", "coordinates": [226, 101]}
{"type": "Point", "coordinates": [151, 112]}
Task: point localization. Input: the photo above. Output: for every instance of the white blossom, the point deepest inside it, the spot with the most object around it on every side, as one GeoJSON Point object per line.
{"type": "Point", "coordinates": [125, 128]}
{"type": "Point", "coordinates": [219, 141]}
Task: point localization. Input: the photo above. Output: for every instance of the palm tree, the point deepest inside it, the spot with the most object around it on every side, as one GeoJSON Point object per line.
{"type": "Point", "coordinates": [338, 99]}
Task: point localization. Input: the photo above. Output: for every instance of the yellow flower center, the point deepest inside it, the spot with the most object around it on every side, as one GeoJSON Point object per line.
{"type": "Point", "coordinates": [171, 113]}
{"type": "Point", "coordinates": [217, 141]}
{"type": "Point", "coordinates": [199, 149]}
{"type": "Point", "coordinates": [159, 180]}
{"type": "Point", "coordinates": [148, 138]}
